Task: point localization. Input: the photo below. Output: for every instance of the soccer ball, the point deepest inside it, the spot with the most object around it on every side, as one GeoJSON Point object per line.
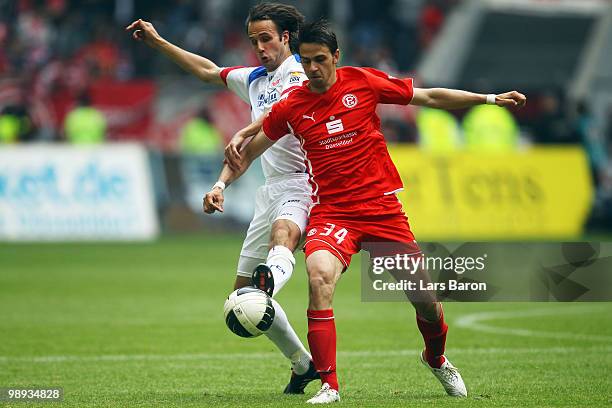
{"type": "Point", "coordinates": [248, 312]}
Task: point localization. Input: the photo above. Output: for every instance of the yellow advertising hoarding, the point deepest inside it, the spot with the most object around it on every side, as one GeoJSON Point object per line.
{"type": "Point", "coordinates": [543, 192]}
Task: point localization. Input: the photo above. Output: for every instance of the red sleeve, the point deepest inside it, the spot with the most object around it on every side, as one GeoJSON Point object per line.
{"type": "Point", "coordinates": [275, 123]}
{"type": "Point", "coordinates": [225, 72]}
{"type": "Point", "coordinates": [389, 89]}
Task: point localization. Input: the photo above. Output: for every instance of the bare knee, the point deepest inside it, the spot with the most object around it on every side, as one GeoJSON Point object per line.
{"type": "Point", "coordinates": [285, 233]}
{"type": "Point", "coordinates": [323, 272]}
{"type": "Point", "coordinates": [321, 287]}
{"type": "Point", "coordinates": [320, 280]}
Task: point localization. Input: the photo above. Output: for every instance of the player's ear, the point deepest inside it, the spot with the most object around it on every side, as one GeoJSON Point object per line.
{"type": "Point", "coordinates": [336, 57]}
{"type": "Point", "coordinates": [285, 37]}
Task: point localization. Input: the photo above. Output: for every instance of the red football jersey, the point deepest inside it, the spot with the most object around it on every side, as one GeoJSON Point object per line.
{"type": "Point", "coordinates": [339, 132]}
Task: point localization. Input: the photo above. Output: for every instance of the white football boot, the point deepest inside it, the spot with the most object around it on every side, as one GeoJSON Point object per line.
{"type": "Point", "coordinates": [449, 377]}
{"type": "Point", "coordinates": [326, 395]}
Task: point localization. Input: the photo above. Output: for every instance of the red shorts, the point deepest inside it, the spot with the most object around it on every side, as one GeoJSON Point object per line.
{"type": "Point", "coordinates": [345, 229]}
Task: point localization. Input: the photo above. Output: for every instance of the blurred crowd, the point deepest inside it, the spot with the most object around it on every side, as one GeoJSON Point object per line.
{"type": "Point", "coordinates": [53, 52]}
{"type": "Point", "coordinates": [58, 57]}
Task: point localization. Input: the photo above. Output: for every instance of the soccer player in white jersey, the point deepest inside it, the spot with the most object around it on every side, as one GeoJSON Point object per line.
{"type": "Point", "coordinates": [281, 206]}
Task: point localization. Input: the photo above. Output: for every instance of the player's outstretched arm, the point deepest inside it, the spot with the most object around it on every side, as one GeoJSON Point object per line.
{"type": "Point", "coordinates": [443, 98]}
{"type": "Point", "coordinates": [201, 67]}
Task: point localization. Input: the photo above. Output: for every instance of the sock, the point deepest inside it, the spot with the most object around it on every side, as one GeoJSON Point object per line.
{"type": "Point", "coordinates": [322, 342]}
{"type": "Point", "coordinates": [284, 337]}
{"type": "Point", "coordinates": [281, 263]}
{"type": "Point", "coordinates": [434, 334]}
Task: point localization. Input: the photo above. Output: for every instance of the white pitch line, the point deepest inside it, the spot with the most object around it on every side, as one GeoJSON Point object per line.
{"type": "Point", "coordinates": [261, 356]}
{"type": "Point", "coordinates": [475, 321]}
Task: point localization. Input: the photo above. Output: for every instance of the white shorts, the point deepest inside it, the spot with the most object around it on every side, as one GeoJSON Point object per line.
{"type": "Point", "coordinates": [286, 197]}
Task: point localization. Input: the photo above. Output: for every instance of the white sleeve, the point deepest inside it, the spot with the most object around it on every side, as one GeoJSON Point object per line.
{"type": "Point", "coordinates": [237, 80]}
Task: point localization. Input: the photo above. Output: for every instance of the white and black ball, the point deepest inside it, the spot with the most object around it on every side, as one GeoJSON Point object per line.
{"type": "Point", "coordinates": [248, 312]}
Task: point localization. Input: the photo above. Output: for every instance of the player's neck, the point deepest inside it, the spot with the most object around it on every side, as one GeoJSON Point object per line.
{"type": "Point", "coordinates": [325, 87]}
{"type": "Point", "coordinates": [282, 59]}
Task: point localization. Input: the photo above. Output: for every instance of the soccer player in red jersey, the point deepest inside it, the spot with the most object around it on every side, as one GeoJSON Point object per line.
{"type": "Point", "coordinates": [354, 183]}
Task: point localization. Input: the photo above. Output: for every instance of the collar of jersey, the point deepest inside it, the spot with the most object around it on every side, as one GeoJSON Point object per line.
{"type": "Point", "coordinates": [338, 79]}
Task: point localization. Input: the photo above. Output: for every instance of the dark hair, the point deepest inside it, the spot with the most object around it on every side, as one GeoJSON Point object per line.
{"type": "Point", "coordinates": [318, 32]}
{"type": "Point", "coordinates": [285, 17]}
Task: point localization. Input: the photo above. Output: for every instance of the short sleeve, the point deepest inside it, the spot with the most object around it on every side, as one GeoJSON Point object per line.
{"type": "Point", "coordinates": [275, 124]}
{"type": "Point", "coordinates": [237, 80]}
{"type": "Point", "coordinates": [389, 89]}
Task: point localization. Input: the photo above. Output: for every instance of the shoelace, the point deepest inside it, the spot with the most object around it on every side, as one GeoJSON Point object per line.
{"type": "Point", "coordinates": [450, 373]}
{"type": "Point", "coordinates": [321, 392]}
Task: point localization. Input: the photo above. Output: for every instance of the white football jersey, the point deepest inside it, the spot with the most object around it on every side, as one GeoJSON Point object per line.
{"type": "Point", "coordinates": [261, 89]}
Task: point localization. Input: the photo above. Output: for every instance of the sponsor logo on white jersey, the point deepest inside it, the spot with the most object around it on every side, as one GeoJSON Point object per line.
{"type": "Point", "coordinates": [261, 100]}
{"type": "Point", "coordinates": [272, 96]}
{"type": "Point", "coordinates": [267, 98]}
{"type": "Point", "coordinates": [349, 100]}
{"type": "Point", "coordinates": [295, 77]}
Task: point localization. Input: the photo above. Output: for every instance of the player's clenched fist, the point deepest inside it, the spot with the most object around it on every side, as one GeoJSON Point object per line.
{"type": "Point", "coordinates": [144, 31]}
{"type": "Point", "coordinates": [213, 201]}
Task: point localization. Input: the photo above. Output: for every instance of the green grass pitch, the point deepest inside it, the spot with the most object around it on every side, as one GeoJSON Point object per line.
{"type": "Point", "coordinates": [140, 325]}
